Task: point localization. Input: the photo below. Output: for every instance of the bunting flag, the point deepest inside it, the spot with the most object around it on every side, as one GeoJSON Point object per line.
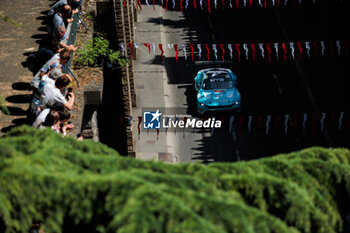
{"type": "Point", "coordinates": [253, 49]}
{"type": "Point", "coordinates": [177, 52]}
{"type": "Point", "coordinates": [207, 48]}
{"type": "Point", "coordinates": [184, 50]}
{"type": "Point", "coordinates": [162, 52]}
{"type": "Point", "coordinates": [262, 50]}
{"type": "Point", "coordinates": [267, 124]}
{"type": "Point", "coordinates": [284, 51]}
{"type": "Point", "coordinates": [131, 50]}
{"type": "Point", "coordinates": [238, 53]}
{"type": "Point", "coordinates": [148, 45]}
{"type": "Point", "coordinates": [268, 48]}
{"type": "Point", "coordinates": [296, 50]}
{"type": "Point", "coordinates": [192, 51]}
{"type": "Point", "coordinates": [222, 52]}
{"type": "Point", "coordinates": [261, 3]}
{"type": "Point", "coordinates": [199, 51]}
{"type": "Point", "coordinates": [123, 49]}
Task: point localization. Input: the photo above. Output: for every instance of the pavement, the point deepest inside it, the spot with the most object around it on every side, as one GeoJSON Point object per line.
{"type": "Point", "coordinates": [16, 43]}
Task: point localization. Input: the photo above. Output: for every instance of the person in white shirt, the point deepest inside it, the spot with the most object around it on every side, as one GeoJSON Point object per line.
{"type": "Point", "coordinates": [52, 94]}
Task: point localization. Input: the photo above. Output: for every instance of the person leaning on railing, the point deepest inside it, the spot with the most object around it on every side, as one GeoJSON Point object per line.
{"type": "Point", "coordinates": [74, 4]}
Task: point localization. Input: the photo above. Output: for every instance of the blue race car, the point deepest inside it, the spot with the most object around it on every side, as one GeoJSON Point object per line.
{"type": "Point", "coordinates": [216, 90]}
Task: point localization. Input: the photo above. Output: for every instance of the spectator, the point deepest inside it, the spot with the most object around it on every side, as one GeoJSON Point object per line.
{"type": "Point", "coordinates": [52, 94]}
{"type": "Point", "coordinates": [60, 18]}
{"type": "Point", "coordinates": [44, 80]}
{"type": "Point", "coordinates": [58, 39]}
{"type": "Point", "coordinates": [74, 4]}
{"type": "Point", "coordinates": [52, 120]}
{"type": "Point", "coordinates": [58, 60]}
{"type": "Point", "coordinates": [43, 114]}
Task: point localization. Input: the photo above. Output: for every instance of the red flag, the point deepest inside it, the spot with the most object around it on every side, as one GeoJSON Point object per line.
{"type": "Point", "coordinates": [181, 4]}
{"type": "Point", "coordinates": [314, 43]}
{"type": "Point", "coordinates": [166, 5]}
{"type": "Point", "coordinates": [223, 4]}
{"type": "Point", "coordinates": [268, 48]}
{"type": "Point", "coordinates": [124, 3]}
{"type": "Point", "coordinates": [177, 52]}
{"type": "Point", "coordinates": [239, 53]}
{"type": "Point", "coordinates": [194, 4]}
{"type": "Point", "coordinates": [162, 52]}
{"type": "Point", "coordinates": [140, 4]}
{"type": "Point", "coordinates": [253, 48]}
{"type": "Point", "coordinates": [265, 4]}
{"type": "Point", "coordinates": [148, 45]}
{"type": "Point", "coordinates": [294, 2]}
{"type": "Point", "coordinates": [300, 49]}
{"type": "Point", "coordinates": [284, 51]}
{"type": "Point", "coordinates": [237, 4]}
{"type": "Point", "coordinates": [138, 125]}
{"type": "Point", "coordinates": [153, 4]}
{"type": "Point", "coordinates": [278, 3]}
{"type": "Point", "coordinates": [191, 46]}
{"type": "Point", "coordinates": [207, 48]}
{"type": "Point", "coordinates": [209, 5]}
{"type": "Point", "coordinates": [250, 3]}
{"type": "Point", "coordinates": [223, 52]}
{"type": "Point", "coordinates": [131, 50]}
{"type": "Point", "coordinates": [330, 49]}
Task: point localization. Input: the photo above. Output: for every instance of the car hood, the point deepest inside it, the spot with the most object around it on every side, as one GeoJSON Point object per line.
{"type": "Point", "coordinates": [218, 96]}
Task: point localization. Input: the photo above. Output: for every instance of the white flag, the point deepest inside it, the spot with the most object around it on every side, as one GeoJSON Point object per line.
{"type": "Point", "coordinates": [170, 46]}
{"type": "Point", "coordinates": [216, 4]}
{"type": "Point", "coordinates": [186, 4]}
{"type": "Point", "coordinates": [250, 118]}
{"type": "Point", "coordinates": [340, 120]}
{"type": "Point", "coordinates": [307, 46]}
{"type": "Point", "coordinates": [262, 50]}
{"type": "Point", "coordinates": [123, 49]}
{"type": "Point", "coordinates": [285, 2]}
{"type": "Point", "coordinates": [299, 1]}
{"type": "Point", "coordinates": [153, 48]}
{"type": "Point", "coordinates": [291, 46]}
{"type": "Point", "coordinates": [338, 46]}
{"type": "Point", "coordinates": [323, 48]}
{"type": "Point", "coordinates": [184, 49]}
{"type": "Point", "coordinates": [245, 3]}
{"type": "Point", "coordinates": [276, 49]}
{"type": "Point", "coordinates": [199, 50]}
{"type": "Point", "coordinates": [268, 124]}
{"type": "Point", "coordinates": [147, 2]}
{"type": "Point", "coordinates": [231, 51]}
{"type": "Point", "coordinates": [246, 51]}
{"type": "Point", "coordinates": [260, 3]}
{"type": "Point", "coordinates": [230, 3]}
{"type": "Point", "coordinates": [215, 51]}
{"type": "Point", "coordinates": [173, 4]}
{"type": "Point", "coordinates": [232, 118]}
{"type": "Point", "coordinates": [161, 1]}
{"type": "Point", "coordinates": [136, 45]}
{"type": "Point", "coordinates": [304, 122]}
{"type": "Point", "coordinates": [286, 119]}
{"type": "Point", "coordinates": [273, 2]}
{"type": "Point", "coordinates": [201, 4]}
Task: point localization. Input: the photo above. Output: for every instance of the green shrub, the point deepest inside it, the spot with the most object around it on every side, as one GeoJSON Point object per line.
{"type": "Point", "coordinates": [94, 52]}
{"type": "Point", "coordinates": [73, 186]}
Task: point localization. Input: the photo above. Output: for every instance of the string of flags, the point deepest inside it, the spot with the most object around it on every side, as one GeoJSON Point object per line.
{"type": "Point", "coordinates": [279, 124]}
{"type": "Point", "coordinates": [216, 4]}
{"type": "Point", "coordinates": [246, 51]}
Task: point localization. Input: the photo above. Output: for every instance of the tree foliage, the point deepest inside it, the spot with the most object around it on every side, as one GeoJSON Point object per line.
{"type": "Point", "coordinates": [73, 186]}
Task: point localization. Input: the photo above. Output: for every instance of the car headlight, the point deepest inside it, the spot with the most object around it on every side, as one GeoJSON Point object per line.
{"type": "Point", "coordinates": [202, 104]}
{"type": "Point", "coordinates": [237, 102]}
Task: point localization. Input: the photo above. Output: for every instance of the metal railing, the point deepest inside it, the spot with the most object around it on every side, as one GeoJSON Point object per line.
{"type": "Point", "coordinates": [72, 30]}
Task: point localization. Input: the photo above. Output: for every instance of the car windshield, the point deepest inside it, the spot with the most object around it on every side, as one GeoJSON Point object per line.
{"type": "Point", "coordinates": [221, 81]}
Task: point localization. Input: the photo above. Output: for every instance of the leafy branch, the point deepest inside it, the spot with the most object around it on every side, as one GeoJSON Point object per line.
{"type": "Point", "coordinates": [96, 51]}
